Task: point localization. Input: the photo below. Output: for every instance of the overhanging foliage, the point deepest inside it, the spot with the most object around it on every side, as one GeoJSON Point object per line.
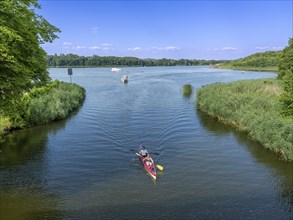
{"type": "Point", "coordinates": [22, 60]}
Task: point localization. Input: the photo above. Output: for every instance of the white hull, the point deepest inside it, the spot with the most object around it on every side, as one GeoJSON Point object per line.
{"type": "Point", "coordinates": [124, 79]}
{"type": "Point", "coordinates": [114, 70]}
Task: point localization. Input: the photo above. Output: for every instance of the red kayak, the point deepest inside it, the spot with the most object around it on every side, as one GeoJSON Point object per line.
{"type": "Point", "coordinates": [149, 167]}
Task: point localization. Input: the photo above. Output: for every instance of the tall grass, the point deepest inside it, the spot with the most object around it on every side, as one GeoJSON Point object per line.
{"type": "Point", "coordinates": [187, 89]}
{"type": "Point", "coordinates": [252, 106]}
{"type": "Point", "coordinates": [57, 103]}
{"type": "Point", "coordinates": [42, 105]}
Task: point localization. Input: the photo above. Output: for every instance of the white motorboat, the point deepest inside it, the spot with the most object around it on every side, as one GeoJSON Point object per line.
{"type": "Point", "coordinates": [124, 79]}
{"type": "Point", "coordinates": [114, 70]}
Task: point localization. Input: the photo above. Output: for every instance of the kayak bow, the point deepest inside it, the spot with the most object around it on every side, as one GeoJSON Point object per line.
{"type": "Point", "coordinates": [151, 169]}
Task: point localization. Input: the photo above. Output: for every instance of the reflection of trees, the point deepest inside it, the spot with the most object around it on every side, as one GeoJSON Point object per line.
{"type": "Point", "coordinates": [23, 191]}
{"type": "Point", "coordinates": [212, 124]}
{"type": "Point", "coordinates": [283, 170]}
{"type": "Point", "coordinates": [21, 204]}
{"type": "Point", "coordinates": [24, 145]}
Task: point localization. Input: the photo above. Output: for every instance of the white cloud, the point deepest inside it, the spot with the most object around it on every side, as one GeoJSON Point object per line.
{"type": "Point", "coordinates": [168, 48]}
{"type": "Point", "coordinates": [78, 47]}
{"type": "Point", "coordinates": [229, 48]}
{"type": "Point", "coordinates": [94, 48]}
{"type": "Point", "coordinates": [171, 48]}
{"type": "Point", "coordinates": [277, 48]}
{"type": "Point", "coordinates": [268, 48]}
{"type": "Point", "coordinates": [223, 49]}
{"type": "Point", "coordinates": [106, 45]}
{"type": "Point", "coordinates": [261, 48]}
{"type": "Point", "coordinates": [155, 49]}
{"type": "Point", "coordinates": [106, 48]}
{"type": "Point", "coordinates": [135, 49]}
{"type": "Point", "coordinates": [67, 43]}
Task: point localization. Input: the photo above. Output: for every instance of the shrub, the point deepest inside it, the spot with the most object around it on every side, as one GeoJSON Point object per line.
{"type": "Point", "coordinates": [286, 74]}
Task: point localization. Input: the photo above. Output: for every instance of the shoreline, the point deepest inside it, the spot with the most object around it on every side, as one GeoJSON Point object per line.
{"type": "Point", "coordinates": [248, 68]}
{"type": "Point", "coordinates": [251, 106]}
{"type": "Point", "coordinates": [31, 116]}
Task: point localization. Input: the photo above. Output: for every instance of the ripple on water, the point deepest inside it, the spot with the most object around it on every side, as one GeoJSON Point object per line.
{"type": "Point", "coordinates": [88, 161]}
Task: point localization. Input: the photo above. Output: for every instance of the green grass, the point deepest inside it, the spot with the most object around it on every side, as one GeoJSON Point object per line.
{"type": "Point", "coordinates": [57, 103]}
{"type": "Point", "coordinates": [45, 104]}
{"type": "Point", "coordinates": [252, 106]}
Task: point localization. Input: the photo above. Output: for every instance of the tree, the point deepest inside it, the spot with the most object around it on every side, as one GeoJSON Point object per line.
{"type": "Point", "coordinates": [286, 60]}
{"type": "Point", "coordinates": [286, 74]}
{"type": "Point", "coordinates": [22, 60]}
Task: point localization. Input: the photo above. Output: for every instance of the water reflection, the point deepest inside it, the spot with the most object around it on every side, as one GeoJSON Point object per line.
{"type": "Point", "coordinates": [86, 170]}
{"type": "Point", "coordinates": [23, 188]}
{"type": "Point", "coordinates": [22, 204]}
{"type": "Point", "coordinates": [281, 172]}
{"type": "Point", "coordinates": [26, 145]}
{"type": "Point", "coordinates": [212, 124]}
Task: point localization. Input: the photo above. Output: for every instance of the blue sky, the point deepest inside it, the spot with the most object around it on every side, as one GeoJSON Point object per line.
{"type": "Point", "coordinates": [169, 29]}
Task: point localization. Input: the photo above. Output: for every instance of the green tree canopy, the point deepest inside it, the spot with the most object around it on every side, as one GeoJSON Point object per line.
{"type": "Point", "coordinates": [286, 60]}
{"type": "Point", "coordinates": [94, 61]}
{"type": "Point", "coordinates": [22, 60]}
{"type": "Point", "coordinates": [286, 74]}
{"type": "Point", "coordinates": [261, 59]}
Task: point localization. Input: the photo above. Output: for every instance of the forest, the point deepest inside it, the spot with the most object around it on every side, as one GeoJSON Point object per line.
{"type": "Point", "coordinates": [73, 60]}
{"type": "Point", "coordinates": [259, 61]}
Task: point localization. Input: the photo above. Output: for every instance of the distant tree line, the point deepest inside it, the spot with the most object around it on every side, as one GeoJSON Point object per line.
{"type": "Point", "coordinates": [96, 61]}
{"type": "Point", "coordinates": [262, 59]}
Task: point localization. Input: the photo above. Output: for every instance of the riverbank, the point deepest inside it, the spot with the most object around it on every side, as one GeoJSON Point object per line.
{"type": "Point", "coordinates": [263, 61]}
{"type": "Point", "coordinates": [43, 105]}
{"type": "Point", "coordinates": [251, 106]}
{"type": "Point", "coordinates": [247, 68]}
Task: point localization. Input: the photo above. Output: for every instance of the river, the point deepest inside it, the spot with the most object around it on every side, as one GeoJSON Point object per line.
{"type": "Point", "coordinates": [85, 167]}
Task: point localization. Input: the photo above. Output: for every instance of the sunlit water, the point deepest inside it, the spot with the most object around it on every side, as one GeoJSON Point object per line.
{"type": "Point", "coordinates": [85, 167]}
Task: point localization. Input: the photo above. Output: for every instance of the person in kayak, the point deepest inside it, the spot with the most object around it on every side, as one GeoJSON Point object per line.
{"type": "Point", "coordinates": [148, 160]}
{"type": "Point", "coordinates": [143, 152]}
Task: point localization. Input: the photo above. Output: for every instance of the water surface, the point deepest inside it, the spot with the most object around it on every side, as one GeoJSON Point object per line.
{"type": "Point", "coordinates": [85, 167]}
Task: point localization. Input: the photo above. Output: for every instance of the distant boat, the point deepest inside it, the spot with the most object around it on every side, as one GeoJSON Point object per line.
{"type": "Point", "coordinates": [124, 79]}
{"type": "Point", "coordinates": [114, 70]}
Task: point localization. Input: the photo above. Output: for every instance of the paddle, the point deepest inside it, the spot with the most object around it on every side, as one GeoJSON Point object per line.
{"type": "Point", "coordinates": [160, 167]}
{"type": "Point", "coordinates": [157, 165]}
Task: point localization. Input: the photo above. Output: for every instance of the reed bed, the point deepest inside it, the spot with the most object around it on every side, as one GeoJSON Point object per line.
{"type": "Point", "coordinates": [187, 89]}
{"type": "Point", "coordinates": [251, 106]}
{"type": "Point", "coordinates": [57, 103]}
{"type": "Point", "coordinates": [42, 105]}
